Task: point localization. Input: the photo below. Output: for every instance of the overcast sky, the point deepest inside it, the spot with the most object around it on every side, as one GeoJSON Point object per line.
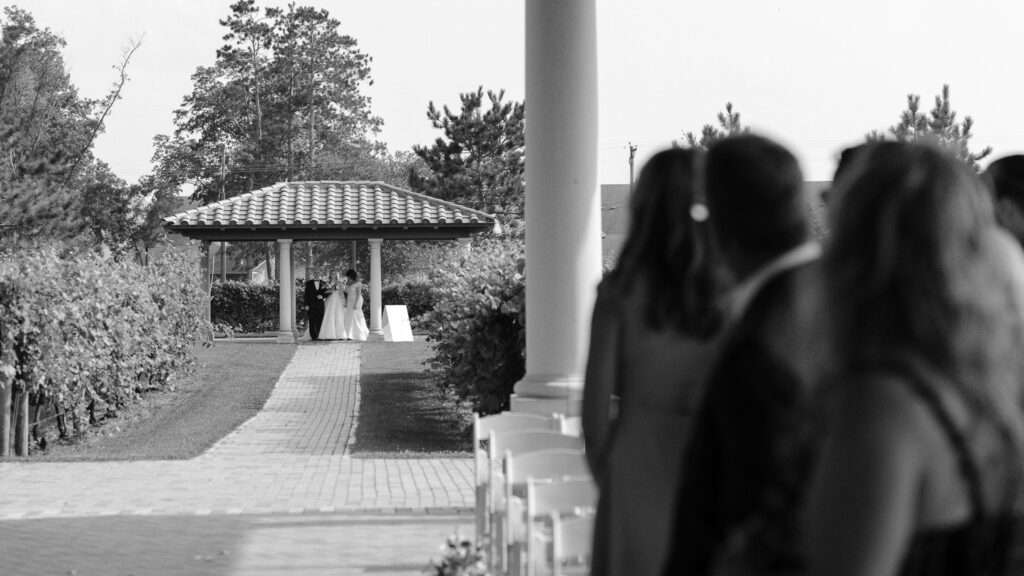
{"type": "Point", "coordinates": [815, 74]}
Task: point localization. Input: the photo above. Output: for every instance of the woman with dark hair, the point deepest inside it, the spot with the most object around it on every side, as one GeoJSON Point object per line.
{"type": "Point", "coordinates": [920, 473]}
{"type": "Point", "coordinates": [355, 328]}
{"type": "Point", "coordinates": [652, 339]}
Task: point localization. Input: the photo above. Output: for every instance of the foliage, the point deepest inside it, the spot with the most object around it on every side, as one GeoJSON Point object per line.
{"type": "Point", "coordinates": [418, 297]}
{"type": "Point", "coordinates": [83, 326]}
{"type": "Point", "coordinates": [249, 308]}
{"type": "Point", "coordinates": [459, 558]}
{"type": "Point", "coordinates": [728, 125]}
{"type": "Point", "coordinates": [281, 101]}
{"type": "Point", "coordinates": [939, 126]}
{"type": "Point", "coordinates": [477, 327]}
{"type": "Point", "coordinates": [49, 180]}
{"type": "Point", "coordinates": [480, 160]}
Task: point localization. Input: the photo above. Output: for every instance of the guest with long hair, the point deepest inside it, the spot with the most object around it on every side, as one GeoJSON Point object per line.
{"type": "Point", "coordinates": [920, 473]}
{"type": "Point", "coordinates": [652, 339]}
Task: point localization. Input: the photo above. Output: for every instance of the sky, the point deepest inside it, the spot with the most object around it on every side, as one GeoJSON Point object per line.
{"type": "Point", "coordinates": [814, 74]}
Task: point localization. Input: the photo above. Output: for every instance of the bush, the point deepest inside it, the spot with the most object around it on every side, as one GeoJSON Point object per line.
{"type": "Point", "coordinates": [251, 308]}
{"type": "Point", "coordinates": [477, 328]}
{"type": "Point", "coordinates": [418, 297]}
{"type": "Point", "coordinates": [77, 327]}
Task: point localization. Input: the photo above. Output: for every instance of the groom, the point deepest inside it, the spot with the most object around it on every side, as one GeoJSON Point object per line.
{"type": "Point", "coordinates": [316, 293]}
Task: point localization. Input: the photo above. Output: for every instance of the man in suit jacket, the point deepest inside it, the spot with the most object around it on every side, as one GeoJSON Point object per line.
{"type": "Point", "coordinates": [750, 451]}
{"type": "Point", "coordinates": [316, 293]}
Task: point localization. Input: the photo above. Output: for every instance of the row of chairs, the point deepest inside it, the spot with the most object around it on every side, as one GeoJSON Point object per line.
{"type": "Point", "coordinates": [535, 498]}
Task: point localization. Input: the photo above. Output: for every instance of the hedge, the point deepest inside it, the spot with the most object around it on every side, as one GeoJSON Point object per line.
{"type": "Point", "coordinates": [78, 326]}
{"type": "Point", "coordinates": [477, 327]}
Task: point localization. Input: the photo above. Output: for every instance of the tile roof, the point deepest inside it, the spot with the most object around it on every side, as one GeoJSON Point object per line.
{"type": "Point", "coordinates": [329, 203]}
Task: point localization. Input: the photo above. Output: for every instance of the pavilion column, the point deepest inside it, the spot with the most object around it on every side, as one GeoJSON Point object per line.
{"type": "Point", "coordinates": [466, 245]}
{"type": "Point", "coordinates": [563, 245]}
{"type": "Point", "coordinates": [285, 335]}
{"type": "Point", "coordinates": [375, 281]}
{"type": "Point", "coordinates": [205, 275]}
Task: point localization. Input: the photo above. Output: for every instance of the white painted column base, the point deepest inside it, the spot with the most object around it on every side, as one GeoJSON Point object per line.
{"type": "Point", "coordinates": [547, 395]}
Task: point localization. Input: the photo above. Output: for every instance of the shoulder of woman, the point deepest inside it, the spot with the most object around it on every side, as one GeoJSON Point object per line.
{"type": "Point", "coordinates": [882, 410]}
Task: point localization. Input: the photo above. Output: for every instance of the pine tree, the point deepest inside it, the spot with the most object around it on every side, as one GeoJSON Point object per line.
{"type": "Point", "coordinates": [939, 126]}
{"type": "Point", "coordinates": [480, 160]}
{"type": "Point", "coordinates": [728, 125]}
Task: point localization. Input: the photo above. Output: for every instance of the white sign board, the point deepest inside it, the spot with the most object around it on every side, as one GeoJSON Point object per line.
{"type": "Point", "coordinates": [396, 324]}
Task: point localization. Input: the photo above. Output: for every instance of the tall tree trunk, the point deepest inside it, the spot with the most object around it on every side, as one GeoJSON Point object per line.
{"type": "Point", "coordinates": [270, 264]}
{"type": "Point", "coordinates": [21, 423]}
{"type": "Point", "coordinates": [5, 420]}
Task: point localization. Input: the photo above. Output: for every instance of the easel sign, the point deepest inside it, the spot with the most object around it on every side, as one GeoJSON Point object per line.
{"type": "Point", "coordinates": [396, 324]}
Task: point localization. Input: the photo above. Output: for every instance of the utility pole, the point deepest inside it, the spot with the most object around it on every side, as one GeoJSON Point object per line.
{"type": "Point", "coordinates": [223, 245]}
{"type": "Point", "coordinates": [632, 154]}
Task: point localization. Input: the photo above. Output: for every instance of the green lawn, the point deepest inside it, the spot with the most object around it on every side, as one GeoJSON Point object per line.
{"type": "Point", "coordinates": [401, 410]}
{"type": "Point", "coordinates": [232, 383]}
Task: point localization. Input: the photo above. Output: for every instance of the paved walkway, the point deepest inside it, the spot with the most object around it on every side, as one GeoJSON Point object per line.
{"type": "Point", "coordinates": [279, 495]}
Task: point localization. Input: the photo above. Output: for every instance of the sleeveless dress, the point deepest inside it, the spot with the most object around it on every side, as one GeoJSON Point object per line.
{"type": "Point", "coordinates": [355, 322]}
{"type": "Point", "coordinates": [660, 378]}
{"type": "Point", "coordinates": [335, 324]}
{"type": "Point", "coordinates": [988, 543]}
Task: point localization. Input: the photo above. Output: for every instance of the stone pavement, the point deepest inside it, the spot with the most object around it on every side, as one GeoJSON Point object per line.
{"type": "Point", "coordinates": [280, 495]}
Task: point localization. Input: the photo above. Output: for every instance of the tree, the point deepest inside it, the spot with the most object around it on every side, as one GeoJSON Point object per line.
{"type": "Point", "coordinates": [46, 130]}
{"type": "Point", "coordinates": [938, 126]}
{"type": "Point", "coordinates": [281, 101]}
{"type": "Point", "coordinates": [728, 125]}
{"type": "Point", "coordinates": [481, 159]}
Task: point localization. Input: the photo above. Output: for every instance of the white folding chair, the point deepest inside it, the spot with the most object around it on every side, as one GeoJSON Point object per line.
{"type": "Point", "coordinates": [541, 464]}
{"type": "Point", "coordinates": [571, 544]}
{"type": "Point", "coordinates": [544, 499]}
{"type": "Point", "coordinates": [500, 446]}
{"type": "Point", "coordinates": [571, 425]}
{"type": "Point", "coordinates": [482, 427]}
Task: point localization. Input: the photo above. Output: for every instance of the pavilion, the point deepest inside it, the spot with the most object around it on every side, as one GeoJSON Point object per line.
{"type": "Point", "coordinates": [563, 247]}
{"type": "Point", "coordinates": [327, 210]}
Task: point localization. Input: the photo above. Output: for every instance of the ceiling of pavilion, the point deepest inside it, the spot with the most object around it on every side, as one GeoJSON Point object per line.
{"type": "Point", "coordinates": [329, 211]}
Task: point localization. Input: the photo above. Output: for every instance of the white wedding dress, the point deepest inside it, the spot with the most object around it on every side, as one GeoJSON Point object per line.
{"type": "Point", "coordinates": [356, 323]}
{"type": "Point", "coordinates": [335, 324]}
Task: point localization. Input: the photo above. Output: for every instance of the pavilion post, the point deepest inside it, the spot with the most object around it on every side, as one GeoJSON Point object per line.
{"type": "Point", "coordinates": [466, 245]}
{"type": "Point", "coordinates": [563, 247]}
{"type": "Point", "coordinates": [285, 335]}
{"type": "Point", "coordinates": [205, 277]}
{"type": "Point", "coordinates": [375, 282]}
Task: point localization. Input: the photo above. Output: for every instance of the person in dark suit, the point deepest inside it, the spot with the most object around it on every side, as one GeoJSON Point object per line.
{"type": "Point", "coordinates": [316, 293]}
{"type": "Point", "coordinates": [750, 451]}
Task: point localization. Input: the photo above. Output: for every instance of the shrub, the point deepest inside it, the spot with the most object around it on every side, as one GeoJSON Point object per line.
{"type": "Point", "coordinates": [477, 328]}
{"type": "Point", "coordinates": [418, 297]}
{"type": "Point", "coordinates": [251, 308]}
{"type": "Point", "coordinates": [78, 327]}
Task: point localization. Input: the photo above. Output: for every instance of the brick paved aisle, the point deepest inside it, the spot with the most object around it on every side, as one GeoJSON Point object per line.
{"type": "Point", "coordinates": [280, 495]}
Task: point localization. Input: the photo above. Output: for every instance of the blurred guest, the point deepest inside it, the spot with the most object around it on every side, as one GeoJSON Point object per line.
{"type": "Point", "coordinates": [1005, 177]}
{"type": "Point", "coordinates": [921, 470]}
{"type": "Point", "coordinates": [652, 338]}
{"type": "Point", "coordinates": [748, 460]}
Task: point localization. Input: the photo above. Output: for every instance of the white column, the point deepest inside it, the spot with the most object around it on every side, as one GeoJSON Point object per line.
{"type": "Point", "coordinates": [466, 245]}
{"type": "Point", "coordinates": [284, 278]}
{"type": "Point", "coordinates": [375, 307]}
{"type": "Point", "coordinates": [563, 245]}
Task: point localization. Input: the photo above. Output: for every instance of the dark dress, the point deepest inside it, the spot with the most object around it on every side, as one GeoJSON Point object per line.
{"type": "Point", "coordinates": [749, 459]}
{"type": "Point", "coordinates": [987, 543]}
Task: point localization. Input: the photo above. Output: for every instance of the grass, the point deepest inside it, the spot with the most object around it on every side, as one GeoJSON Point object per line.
{"type": "Point", "coordinates": [401, 411]}
{"type": "Point", "coordinates": [232, 383]}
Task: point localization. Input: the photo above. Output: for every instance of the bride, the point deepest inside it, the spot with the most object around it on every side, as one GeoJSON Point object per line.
{"type": "Point", "coordinates": [355, 327]}
{"type": "Point", "coordinates": [335, 324]}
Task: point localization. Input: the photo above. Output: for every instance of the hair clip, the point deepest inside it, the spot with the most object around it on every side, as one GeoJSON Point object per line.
{"type": "Point", "coordinates": [699, 212]}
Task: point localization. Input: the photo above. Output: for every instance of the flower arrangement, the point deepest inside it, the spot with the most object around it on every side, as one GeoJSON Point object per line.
{"type": "Point", "coordinates": [459, 558]}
